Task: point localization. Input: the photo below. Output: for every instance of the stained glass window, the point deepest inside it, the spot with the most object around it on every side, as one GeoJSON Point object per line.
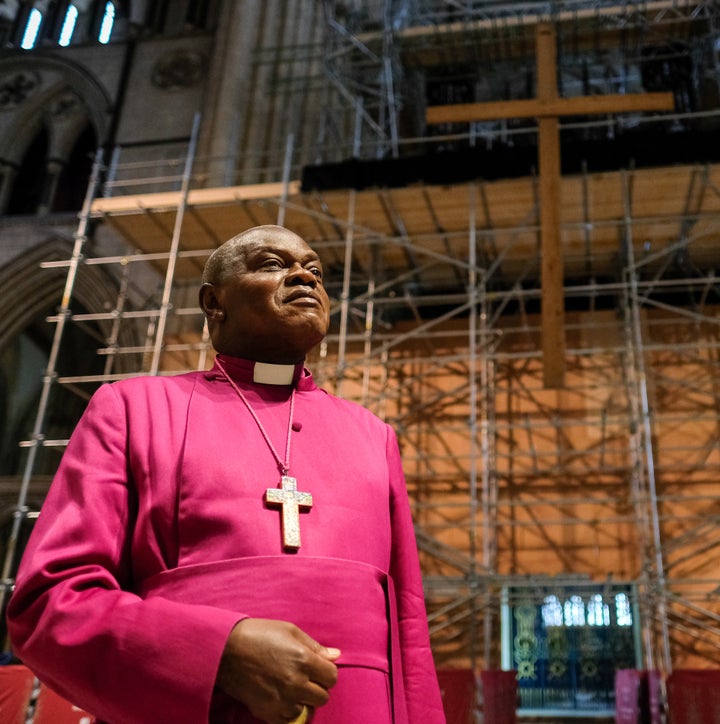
{"type": "Point", "coordinates": [566, 643]}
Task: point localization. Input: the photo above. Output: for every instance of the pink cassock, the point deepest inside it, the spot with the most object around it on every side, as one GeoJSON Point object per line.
{"type": "Point", "coordinates": [155, 539]}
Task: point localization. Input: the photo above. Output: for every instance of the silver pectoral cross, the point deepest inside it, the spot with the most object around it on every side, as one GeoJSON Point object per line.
{"type": "Point", "coordinates": [291, 500]}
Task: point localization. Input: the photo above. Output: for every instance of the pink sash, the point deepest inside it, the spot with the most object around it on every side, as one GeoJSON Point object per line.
{"type": "Point", "coordinates": [340, 603]}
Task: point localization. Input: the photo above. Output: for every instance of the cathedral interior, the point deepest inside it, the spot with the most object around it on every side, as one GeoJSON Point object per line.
{"type": "Point", "coordinates": [517, 206]}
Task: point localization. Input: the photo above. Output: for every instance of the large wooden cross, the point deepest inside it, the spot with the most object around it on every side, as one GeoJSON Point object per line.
{"type": "Point", "coordinates": [547, 107]}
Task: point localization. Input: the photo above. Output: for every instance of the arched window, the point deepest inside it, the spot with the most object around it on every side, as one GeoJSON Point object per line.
{"type": "Point", "coordinates": [598, 612]}
{"type": "Point", "coordinates": [623, 610]}
{"type": "Point", "coordinates": [552, 611]}
{"type": "Point", "coordinates": [574, 608]}
{"type": "Point", "coordinates": [32, 29]}
{"type": "Point", "coordinates": [68, 26]}
{"type": "Point", "coordinates": [106, 25]}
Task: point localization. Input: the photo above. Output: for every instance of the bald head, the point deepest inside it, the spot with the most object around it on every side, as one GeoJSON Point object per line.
{"type": "Point", "coordinates": [228, 256]}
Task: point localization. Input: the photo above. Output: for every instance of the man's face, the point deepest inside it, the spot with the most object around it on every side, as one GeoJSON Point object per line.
{"type": "Point", "coordinates": [276, 308]}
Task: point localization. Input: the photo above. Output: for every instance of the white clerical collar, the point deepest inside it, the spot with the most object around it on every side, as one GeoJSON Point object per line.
{"type": "Point", "coordinates": [265, 373]}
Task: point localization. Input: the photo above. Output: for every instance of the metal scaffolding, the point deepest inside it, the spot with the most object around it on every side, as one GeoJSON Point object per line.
{"type": "Point", "coordinates": [436, 293]}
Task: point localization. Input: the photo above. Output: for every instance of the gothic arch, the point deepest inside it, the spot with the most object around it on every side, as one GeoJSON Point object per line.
{"type": "Point", "coordinates": [54, 91]}
{"type": "Point", "coordinates": [26, 339]}
{"type": "Point", "coordinates": [31, 291]}
{"type": "Point", "coordinates": [52, 96]}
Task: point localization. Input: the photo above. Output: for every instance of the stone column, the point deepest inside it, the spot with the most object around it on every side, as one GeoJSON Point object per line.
{"type": "Point", "coordinates": [226, 104]}
{"type": "Point", "coordinates": [54, 169]}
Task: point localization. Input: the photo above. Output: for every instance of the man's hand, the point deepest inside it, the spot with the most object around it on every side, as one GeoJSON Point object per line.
{"type": "Point", "coordinates": [275, 669]}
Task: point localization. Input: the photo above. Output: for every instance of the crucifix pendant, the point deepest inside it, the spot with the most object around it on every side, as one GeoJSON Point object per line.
{"type": "Point", "coordinates": [291, 500]}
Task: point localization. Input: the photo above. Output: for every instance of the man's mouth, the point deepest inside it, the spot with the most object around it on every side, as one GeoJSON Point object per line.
{"type": "Point", "coordinates": [303, 297]}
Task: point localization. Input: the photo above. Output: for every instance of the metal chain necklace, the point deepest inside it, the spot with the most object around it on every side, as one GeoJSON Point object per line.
{"type": "Point", "coordinates": [287, 496]}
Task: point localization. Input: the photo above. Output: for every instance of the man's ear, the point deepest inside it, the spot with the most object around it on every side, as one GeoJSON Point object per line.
{"type": "Point", "coordinates": [210, 303]}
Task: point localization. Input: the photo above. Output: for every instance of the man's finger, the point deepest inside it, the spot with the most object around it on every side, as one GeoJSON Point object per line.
{"type": "Point", "coordinates": [322, 671]}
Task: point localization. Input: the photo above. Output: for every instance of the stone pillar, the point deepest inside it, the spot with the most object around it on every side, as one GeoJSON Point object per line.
{"type": "Point", "coordinates": [52, 176]}
{"type": "Point", "coordinates": [225, 106]}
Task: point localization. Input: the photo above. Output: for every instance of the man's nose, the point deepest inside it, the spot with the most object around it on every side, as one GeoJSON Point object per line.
{"type": "Point", "coordinates": [298, 274]}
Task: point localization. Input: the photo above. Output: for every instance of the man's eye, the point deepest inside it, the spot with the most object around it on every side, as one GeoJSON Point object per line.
{"type": "Point", "coordinates": [317, 272]}
{"type": "Point", "coordinates": [272, 264]}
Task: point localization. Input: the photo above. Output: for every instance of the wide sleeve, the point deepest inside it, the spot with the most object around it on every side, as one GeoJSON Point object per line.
{"type": "Point", "coordinates": [72, 617]}
{"type": "Point", "coordinates": [420, 679]}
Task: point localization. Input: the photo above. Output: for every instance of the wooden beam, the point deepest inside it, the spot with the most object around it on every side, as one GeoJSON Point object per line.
{"type": "Point", "coordinates": [552, 266]}
{"type": "Point", "coordinates": [170, 200]}
{"type": "Point", "coordinates": [576, 106]}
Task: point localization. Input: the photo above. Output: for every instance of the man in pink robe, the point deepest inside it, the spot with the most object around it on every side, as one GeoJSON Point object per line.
{"type": "Point", "coordinates": [162, 582]}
